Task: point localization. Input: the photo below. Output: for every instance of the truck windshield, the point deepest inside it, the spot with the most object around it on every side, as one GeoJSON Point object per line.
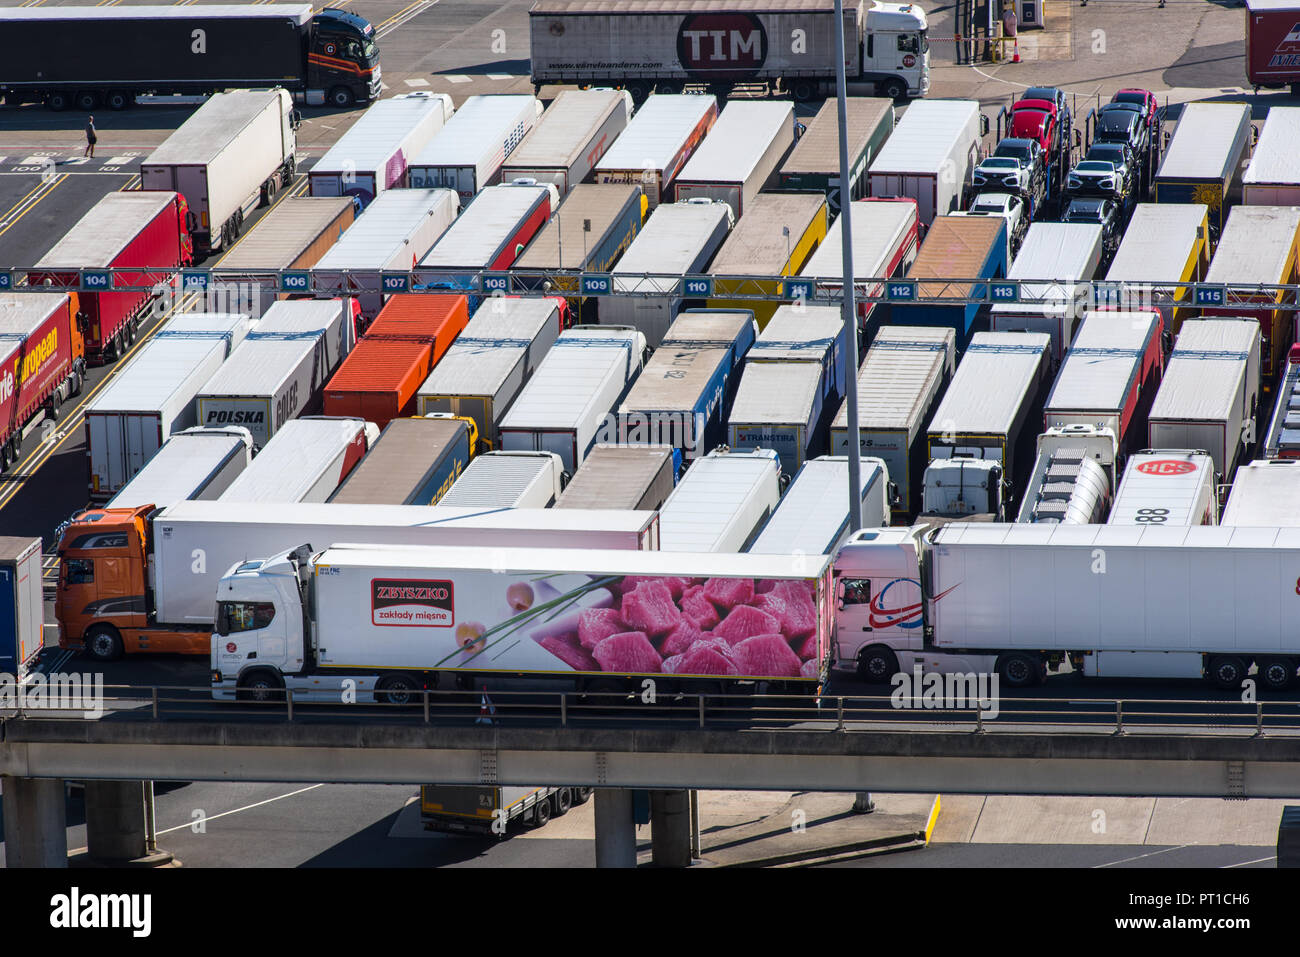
{"type": "Point", "coordinates": [236, 616]}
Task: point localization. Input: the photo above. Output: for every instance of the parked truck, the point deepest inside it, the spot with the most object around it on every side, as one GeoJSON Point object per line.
{"type": "Point", "coordinates": [1167, 487]}
{"type": "Point", "coordinates": [467, 153]}
{"type": "Point", "coordinates": [372, 156]}
{"type": "Point", "coordinates": [740, 156]}
{"type": "Point", "coordinates": [662, 136]}
{"type": "Point", "coordinates": [814, 163]}
{"type": "Point", "coordinates": [492, 810]}
{"type": "Point", "coordinates": [42, 362]}
{"type": "Point", "coordinates": [415, 462]}
{"type": "Point", "coordinates": [227, 159]}
{"type": "Point", "coordinates": [195, 463]}
{"type": "Point", "coordinates": [280, 369]}
{"type": "Point", "coordinates": [721, 502]}
{"type": "Point", "coordinates": [969, 247]}
{"type": "Point", "coordinates": [1072, 481]}
{"type": "Point", "coordinates": [1163, 243]}
{"type": "Point", "coordinates": [1283, 438]}
{"type": "Point", "coordinates": [329, 56]}
{"type": "Point", "coordinates": [813, 518]}
{"type": "Point", "coordinates": [1206, 158]}
{"type": "Point", "coordinates": [133, 581]}
{"type": "Point", "coordinates": [1272, 55]}
{"type": "Point", "coordinates": [147, 231]}
{"type": "Point", "coordinates": [570, 138]}
{"type": "Point", "coordinates": [154, 396]}
{"type": "Point", "coordinates": [305, 461]}
{"type": "Point", "coordinates": [1264, 495]}
{"type": "Point", "coordinates": [623, 476]}
{"type": "Point", "coordinates": [929, 156]}
{"type": "Point", "coordinates": [1272, 179]}
{"type": "Point", "coordinates": [723, 45]}
{"type": "Point", "coordinates": [509, 480]}
{"type": "Point", "coordinates": [489, 362]}
{"type": "Point", "coordinates": [22, 608]}
{"type": "Point", "coordinates": [900, 382]}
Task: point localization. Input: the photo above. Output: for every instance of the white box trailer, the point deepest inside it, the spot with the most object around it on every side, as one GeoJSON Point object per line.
{"type": "Point", "coordinates": [1070, 253]}
{"type": "Point", "coordinates": [662, 136]}
{"type": "Point", "coordinates": [1209, 398]}
{"type": "Point", "coordinates": [900, 381]}
{"type": "Point", "coordinates": [929, 156]}
{"type": "Point", "coordinates": [812, 517]}
{"type": "Point", "coordinates": [1167, 487]}
{"type": "Point", "coordinates": [678, 239]}
{"type": "Point", "coordinates": [280, 369]}
{"type": "Point", "coordinates": [305, 461]}
{"type": "Point", "coordinates": [1163, 243]}
{"type": "Point", "coordinates": [741, 155]}
{"type": "Point", "coordinates": [571, 397]}
{"type": "Point", "coordinates": [372, 156]}
{"type": "Point", "coordinates": [1206, 157]}
{"type": "Point", "coordinates": [195, 463]}
{"type": "Point", "coordinates": [1272, 178]}
{"type": "Point", "coordinates": [392, 234]}
{"type": "Point", "coordinates": [467, 153]}
{"type": "Point", "coordinates": [721, 502]}
{"type": "Point", "coordinates": [623, 476]}
{"type": "Point", "coordinates": [229, 157]}
{"type": "Point", "coordinates": [229, 535]}
{"type": "Point", "coordinates": [508, 480]}
{"type": "Point", "coordinates": [570, 138]}
{"type": "Point", "coordinates": [814, 163]}
{"type": "Point", "coordinates": [483, 371]}
{"type": "Point", "coordinates": [154, 395]}
{"type": "Point", "coordinates": [1264, 494]}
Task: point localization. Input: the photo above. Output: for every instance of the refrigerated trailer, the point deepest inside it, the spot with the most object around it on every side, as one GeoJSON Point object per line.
{"type": "Point", "coordinates": [662, 136]}
{"type": "Point", "coordinates": [615, 476]}
{"type": "Point", "coordinates": [678, 239]}
{"type": "Point", "coordinates": [1163, 243]}
{"type": "Point", "coordinates": [508, 480]}
{"type": "Point", "coordinates": [1264, 494]}
{"type": "Point", "coordinates": [22, 608]}
{"type": "Point", "coordinates": [196, 463]}
{"type": "Point", "coordinates": [721, 502]}
{"type": "Point", "coordinates": [467, 153]}
{"type": "Point", "coordinates": [495, 354]}
{"type": "Point", "coordinates": [305, 461]}
{"type": "Point", "coordinates": [1209, 397]}
{"type": "Point", "coordinates": [813, 518]}
{"type": "Point", "coordinates": [1167, 487]}
{"type": "Point", "coordinates": [154, 396]}
{"type": "Point", "coordinates": [1272, 179]}
{"type": "Point", "coordinates": [372, 156]}
{"type": "Point", "coordinates": [968, 247]}
{"type": "Point", "coordinates": [740, 156]}
{"type": "Point", "coordinates": [280, 369]}
{"type": "Point", "coordinates": [1204, 161]}
{"type": "Point", "coordinates": [228, 158]}
{"type": "Point", "coordinates": [570, 138]}
{"type": "Point", "coordinates": [929, 156]}
{"type": "Point", "coordinates": [814, 163]}
{"type": "Point", "coordinates": [900, 381]}
{"type": "Point", "coordinates": [43, 351]}
{"type": "Point", "coordinates": [415, 462]}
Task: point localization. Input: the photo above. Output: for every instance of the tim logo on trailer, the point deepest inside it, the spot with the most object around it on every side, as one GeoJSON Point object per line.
{"type": "Point", "coordinates": [1287, 52]}
{"type": "Point", "coordinates": [722, 46]}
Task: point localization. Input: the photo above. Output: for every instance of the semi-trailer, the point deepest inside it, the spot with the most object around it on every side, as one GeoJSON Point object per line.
{"type": "Point", "coordinates": [722, 45]}
{"type": "Point", "coordinates": [740, 156]}
{"type": "Point", "coordinates": [392, 234]}
{"type": "Point", "coordinates": [372, 156]}
{"type": "Point", "coordinates": [1163, 243]}
{"type": "Point", "coordinates": [196, 463]}
{"type": "Point", "coordinates": [1283, 438]}
{"type": "Point", "coordinates": [293, 235]}
{"type": "Point", "coordinates": [570, 400]}
{"type": "Point", "coordinates": [305, 461]}
{"type": "Point", "coordinates": [467, 153]}
{"type": "Point", "coordinates": [1167, 487]}
{"type": "Point", "coordinates": [1206, 157]}
{"type": "Point", "coordinates": [395, 621]}
{"type": "Point", "coordinates": [1264, 494]}
{"type": "Point", "coordinates": [120, 54]}
{"type": "Point", "coordinates": [227, 159]}
{"type": "Point", "coordinates": [146, 231]}
{"type": "Point", "coordinates": [509, 480]}
{"type": "Point", "coordinates": [570, 138]}
{"type": "Point", "coordinates": [1209, 397]}
{"type": "Point", "coordinates": [1072, 481]}
{"type": "Point", "coordinates": [22, 609]}
{"type": "Point", "coordinates": [813, 518]}
{"type": "Point", "coordinates": [1016, 599]}
{"type": "Point", "coordinates": [683, 395]}
{"type": "Point", "coordinates": [154, 396]}
{"type": "Point", "coordinates": [721, 502]}
{"type": "Point", "coordinates": [662, 136]}
{"type": "Point", "coordinates": [489, 362]}
{"type": "Point", "coordinates": [158, 573]}
{"type": "Point", "coordinates": [814, 163]}
{"type": "Point", "coordinates": [415, 462]}
{"type": "Point", "coordinates": [900, 381]}
{"type": "Point", "coordinates": [794, 374]}
{"type": "Point", "coordinates": [379, 378]}
{"type": "Point", "coordinates": [678, 239]}
{"type": "Point", "coordinates": [775, 237]}
{"type": "Point", "coordinates": [1271, 57]}
{"type": "Point", "coordinates": [42, 362]}
{"type": "Point", "coordinates": [623, 476]}
{"type": "Point", "coordinates": [929, 156]}
{"type": "Point", "coordinates": [1067, 252]}
{"type": "Point", "coordinates": [1272, 179]}
{"type": "Point", "coordinates": [492, 810]}
{"type": "Point", "coordinates": [280, 369]}
{"type": "Point", "coordinates": [1110, 376]}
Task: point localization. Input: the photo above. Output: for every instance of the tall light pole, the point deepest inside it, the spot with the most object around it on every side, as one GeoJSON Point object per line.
{"type": "Point", "coordinates": [850, 307]}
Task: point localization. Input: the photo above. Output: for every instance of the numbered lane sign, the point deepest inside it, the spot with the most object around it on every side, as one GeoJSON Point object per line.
{"type": "Point", "coordinates": [796, 289]}
{"type": "Point", "coordinates": [697, 287]}
{"type": "Point", "coordinates": [395, 282]}
{"type": "Point", "coordinates": [597, 284]}
{"type": "Point", "coordinates": [6, 280]}
{"type": "Point", "coordinates": [900, 291]}
{"type": "Point", "coordinates": [1211, 295]}
{"type": "Point", "coordinates": [494, 282]}
{"type": "Point", "coordinates": [94, 280]}
{"type": "Point", "coordinates": [192, 279]}
{"type": "Point", "coordinates": [1005, 291]}
{"type": "Point", "coordinates": [295, 282]}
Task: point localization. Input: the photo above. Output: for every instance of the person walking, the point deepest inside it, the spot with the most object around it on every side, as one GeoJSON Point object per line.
{"type": "Point", "coordinates": [91, 138]}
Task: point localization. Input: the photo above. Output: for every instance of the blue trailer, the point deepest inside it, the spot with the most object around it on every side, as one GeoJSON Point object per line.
{"type": "Point", "coordinates": [22, 610]}
{"type": "Point", "coordinates": [961, 247]}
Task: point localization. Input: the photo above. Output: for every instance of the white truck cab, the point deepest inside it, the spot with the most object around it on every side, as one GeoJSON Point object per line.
{"type": "Point", "coordinates": [895, 48]}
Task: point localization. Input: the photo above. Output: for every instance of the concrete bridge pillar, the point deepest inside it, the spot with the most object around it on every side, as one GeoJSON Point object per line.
{"type": "Point", "coordinates": [670, 828]}
{"type": "Point", "coordinates": [119, 824]}
{"type": "Point", "coordinates": [615, 828]}
{"type": "Point", "coordinates": [36, 822]}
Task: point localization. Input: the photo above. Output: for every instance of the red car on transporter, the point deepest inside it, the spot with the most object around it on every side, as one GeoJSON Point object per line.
{"type": "Point", "coordinates": [1035, 119]}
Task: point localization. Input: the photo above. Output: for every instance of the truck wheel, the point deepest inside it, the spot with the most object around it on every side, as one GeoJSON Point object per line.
{"type": "Point", "coordinates": [1227, 671]}
{"type": "Point", "coordinates": [5, 460]}
{"type": "Point", "coordinates": [803, 90]}
{"type": "Point", "coordinates": [87, 100]}
{"type": "Point", "coordinates": [561, 800]}
{"type": "Point", "coordinates": [894, 88]}
{"type": "Point", "coordinates": [876, 665]}
{"type": "Point", "coordinates": [581, 795]}
{"type": "Point", "coordinates": [260, 686]}
{"type": "Point", "coordinates": [398, 690]}
{"type": "Point", "coordinates": [341, 97]}
{"type": "Point", "coordinates": [638, 90]}
{"type": "Point", "coordinates": [268, 192]}
{"type": "Point", "coordinates": [1277, 674]}
{"type": "Point", "coordinates": [541, 813]}
{"type": "Point", "coordinates": [103, 643]}
{"type": "Point", "coordinates": [1021, 670]}
{"type": "Point", "coordinates": [58, 102]}
{"type": "Point", "coordinates": [118, 99]}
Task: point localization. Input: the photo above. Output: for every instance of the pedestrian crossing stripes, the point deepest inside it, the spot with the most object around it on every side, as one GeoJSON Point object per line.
{"type": "Point", "coordinates": [71, 163]}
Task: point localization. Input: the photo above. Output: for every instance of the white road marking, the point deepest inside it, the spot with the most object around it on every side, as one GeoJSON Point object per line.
{"type": "Point", "coordinates": [414, 81]}
{"type": "Point", "coordinates": [117, 160]}
{"type": "Point", "coordinates": [456, 78]}
{"type": "Point", "coordinates": [213, 817]}
{"type": "Point", "coordinates": [1244, 863]}
{"type": "Point", "coordinates": [1141, 856]}
{"type": "Point", "coordinates": [500, 76]}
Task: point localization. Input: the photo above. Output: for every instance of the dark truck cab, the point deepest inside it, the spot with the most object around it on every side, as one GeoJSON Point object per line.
{"type": "Point", "coordinates": [87, 56]}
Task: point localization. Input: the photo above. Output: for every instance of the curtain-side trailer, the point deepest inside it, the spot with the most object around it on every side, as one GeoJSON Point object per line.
{"type": "Point", "coordinates": [508, 480]}
{"type": "Point", "coordinates": [414, 462]}
{"type": "Point", "coordinates": [622, 476]}
{"type": "Point", "coordinates": [570, 138]}
{"type": "Point", "coordinates": [814, 163]}
{"type": "Point", "coordinates": [42, 348]}
{"type": "Point", "coordinates": [969, 247]}
{"type": "Point", "coordinates": [305, 461]}
{"type": "Point", "coordinates": [740, 156]}
{"type": "Point", "coordinates": [662, 136]}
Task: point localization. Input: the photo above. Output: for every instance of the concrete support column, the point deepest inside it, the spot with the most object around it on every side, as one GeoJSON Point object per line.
{"type": "Point", "coordinates": [670, 828]}
{"type": "Point", "coordinates": [119, 827]}
{"type": "Point", "coordinates": [615, 828]}
{"type": "Point", "coordinates": [36, 822]}
{"type": "Point", "coordinates": [862, 803]}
